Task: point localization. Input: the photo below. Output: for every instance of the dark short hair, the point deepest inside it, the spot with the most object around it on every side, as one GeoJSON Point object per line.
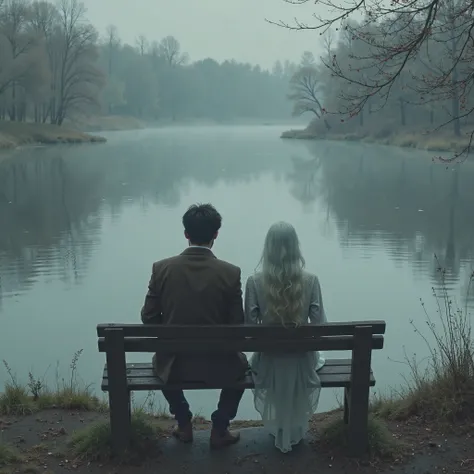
{"type": "Point", "coordinates": [201, 222]}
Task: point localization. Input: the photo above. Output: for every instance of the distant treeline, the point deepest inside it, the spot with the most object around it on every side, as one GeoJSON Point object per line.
{"type": "Point", "coordinates": [156, 79]}
{"type": "Point", "coordinates": [54, 64]}
{"type": "Point", "coordinates": [404, 67]}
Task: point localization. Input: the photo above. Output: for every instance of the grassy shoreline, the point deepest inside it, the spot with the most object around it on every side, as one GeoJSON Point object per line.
{"type": "Point", "coordinates": [437, 142]}
{"type": "Point", "coordinates": [17, 134]}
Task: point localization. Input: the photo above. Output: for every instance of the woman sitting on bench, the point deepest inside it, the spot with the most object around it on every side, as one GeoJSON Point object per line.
{"type": "Point", "coordinates": [287, 385]}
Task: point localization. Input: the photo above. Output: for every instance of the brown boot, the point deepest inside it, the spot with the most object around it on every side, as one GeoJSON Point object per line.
{"type": "Point", "coordinates": [219, 440]}
{"type": "Point", "coordinates": [184, 433]}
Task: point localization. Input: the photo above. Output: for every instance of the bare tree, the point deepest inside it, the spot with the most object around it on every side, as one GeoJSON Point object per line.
{"type": "Point", "coordinates": [307, 59]}
{"type": "Point", "coordinates": [44, 20]}
{"type": "Point", "coordinates": [142, 45]}
{"type": "Point", "coordinates": [113, 43]}
{"type": "Point", "coordinates": [305, 92]}
{"type": "Point", "coordinates": [395, 35]}
{"type": "Point", "coordinates": [34, 85]}
{"type": "Point", "coordinates": [14, 28]}
{"type": "Point", "coordinates": [79, 80]}
{"type": "Point", "coordinates": [289, 68]}
{"type": "Point", "coordinates": [170, 50]}
{"type": "Point", "coordinates": [155, 54]}
{"type": "Point", "coordinates": [277, 69]}
{"type": "Point", "coordinates": [44, 17]}
{"type": "Point", "coordinates": [329, 38]}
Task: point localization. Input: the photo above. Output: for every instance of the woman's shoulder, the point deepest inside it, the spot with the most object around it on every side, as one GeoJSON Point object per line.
{"type": "Point", "coordinates": [255, 277]}
{"type": "Point", "coordinates": [310, 277]}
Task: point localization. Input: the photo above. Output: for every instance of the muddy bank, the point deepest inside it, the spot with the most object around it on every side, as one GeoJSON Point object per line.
{"type": "Point", "coordinates": [41, 441]}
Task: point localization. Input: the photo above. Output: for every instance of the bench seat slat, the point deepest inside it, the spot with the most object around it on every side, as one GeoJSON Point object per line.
{"type": "Point", "coordinates": [147, 365]}
{"type": "Point", "coordinates": [240, 331]}
{"type": "Point", "coordinates": [333, 374]}
{"type": "Point", "coordinates": [199, 346]}
{"type": "Point", "coordinates": [147, 371]}
{"type": "Point", "coordinates": [151, 383]}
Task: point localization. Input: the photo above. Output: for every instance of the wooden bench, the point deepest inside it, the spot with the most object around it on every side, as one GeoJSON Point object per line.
{"type": "Point", "coordinates": [354, 374]}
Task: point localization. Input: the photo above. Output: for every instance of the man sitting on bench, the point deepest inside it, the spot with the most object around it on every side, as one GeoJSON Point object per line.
{"type": "Point", "coordinates": [197, 288]}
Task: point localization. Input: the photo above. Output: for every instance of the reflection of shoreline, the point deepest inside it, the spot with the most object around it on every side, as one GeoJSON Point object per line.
{"type": "Point", "coordinates": [412, 208]}
{"type": "Point", "coordinates": [304, 179]}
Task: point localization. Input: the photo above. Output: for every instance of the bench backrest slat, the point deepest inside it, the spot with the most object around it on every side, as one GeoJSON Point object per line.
{"type": "Point", "coordinates": [242, 331]}
{"type": "Point", "coordinates": [183, 345]}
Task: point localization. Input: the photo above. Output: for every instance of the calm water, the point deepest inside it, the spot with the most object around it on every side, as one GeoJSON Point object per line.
{"type": "Point", "coordinates": [80, 228]}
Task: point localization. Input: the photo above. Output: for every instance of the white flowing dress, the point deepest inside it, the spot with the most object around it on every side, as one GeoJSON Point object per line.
{"type": "Point", "coordinates": [287, 386]}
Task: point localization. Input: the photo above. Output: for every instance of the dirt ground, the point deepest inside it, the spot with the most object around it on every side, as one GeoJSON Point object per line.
{"type": "Point", "coordinates": [42, 439]}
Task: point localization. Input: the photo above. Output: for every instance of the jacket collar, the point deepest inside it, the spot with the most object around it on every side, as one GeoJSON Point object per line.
{"type": "Point", "coordinates": [201, 251]}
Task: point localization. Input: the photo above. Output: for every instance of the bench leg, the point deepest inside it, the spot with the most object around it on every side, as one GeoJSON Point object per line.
{"type": "Point", "coordinates": [358, 428]}
{"type": "Point", "coordinates": [358, 403]}
{"type": "Point", "coordinates": [347, 394]}
{"type": "Point", "coordinates": [120, 422]}
{"type": "Point", "coordinates": [119, 395]}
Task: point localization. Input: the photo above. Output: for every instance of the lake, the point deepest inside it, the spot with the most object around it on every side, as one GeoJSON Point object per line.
{"type": "Point", "coordinates": [80, 227]}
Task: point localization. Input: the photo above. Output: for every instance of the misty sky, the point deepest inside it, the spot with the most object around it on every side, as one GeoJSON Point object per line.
{"type": "Point", "coordinates": [221, 29]}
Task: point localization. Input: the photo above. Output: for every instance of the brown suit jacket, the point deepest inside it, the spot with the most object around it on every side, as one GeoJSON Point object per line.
{"type": "Point", "coordinates": [195, 288]}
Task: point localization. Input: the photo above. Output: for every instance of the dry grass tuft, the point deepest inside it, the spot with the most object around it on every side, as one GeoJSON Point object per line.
{"type": "Point", "coordinates": [382, 444]}
{"type": "Point", "coordinates": [444, 390]}
{"type": "Point", "coordinates": [70, 394]}
{"type": "Point", "coordinates": [94, 442]}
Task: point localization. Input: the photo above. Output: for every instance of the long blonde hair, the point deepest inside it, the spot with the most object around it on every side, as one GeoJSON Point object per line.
{"type": "Point", "coordinates": [282, 270]}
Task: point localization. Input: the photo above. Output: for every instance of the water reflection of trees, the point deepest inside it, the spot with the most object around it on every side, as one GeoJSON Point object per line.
{"type": "Point", "coordinates": [303, 179]}
{"type": "Point", "coordinates": [43, 219]}
{"type": "Point", "coordinates": [52, 201]}
{"type": "Point", "coordinates": [413, 207]}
